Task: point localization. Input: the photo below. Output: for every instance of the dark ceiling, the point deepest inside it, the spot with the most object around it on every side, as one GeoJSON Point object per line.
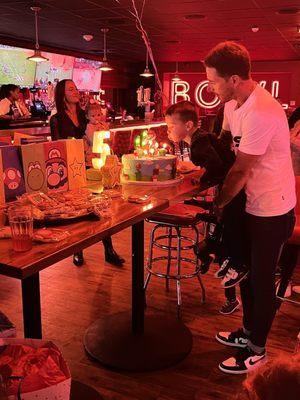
{"type": "Point", "coordinates": [178, 29]}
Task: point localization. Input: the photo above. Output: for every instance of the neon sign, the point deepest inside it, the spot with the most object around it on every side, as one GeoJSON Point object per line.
{"type": "Point", "coordinates": [180, 90]}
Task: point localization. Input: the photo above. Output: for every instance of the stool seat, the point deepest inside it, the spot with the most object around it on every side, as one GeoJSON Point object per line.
{"type": "Point", "coordinates": [178, 215]}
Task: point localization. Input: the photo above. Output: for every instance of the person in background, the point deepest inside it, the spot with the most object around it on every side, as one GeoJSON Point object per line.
{"type": "Point", "coordinates": [21, 106]}
{"type": "Point", "coordinates": [8, 110]}
{"type": "Point", "coordinates": [258, 125]}
{"type": "Point", "coordinates": [70, 121]}
{"type": "Point", "coordinates": [294, 117]}
{"type": "Point", "coordinates": [275, 380]}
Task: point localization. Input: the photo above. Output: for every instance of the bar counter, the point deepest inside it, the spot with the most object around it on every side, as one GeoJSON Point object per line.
{"type": "Point", "coordinates": [38, 127]}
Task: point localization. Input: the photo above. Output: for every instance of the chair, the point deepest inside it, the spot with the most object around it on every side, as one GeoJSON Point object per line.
{"type": "Point", "coordinates": [291, 250]}
{"type": "Point", "coordinates": [174, 219]}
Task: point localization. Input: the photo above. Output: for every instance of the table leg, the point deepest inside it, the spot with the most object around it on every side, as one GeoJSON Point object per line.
{"type": "Point", "coordinates": [125, 341]}
{"type": "Point", "coordinates": [138, 294]}
{"type": "Point", "coordinates": [32, 307]}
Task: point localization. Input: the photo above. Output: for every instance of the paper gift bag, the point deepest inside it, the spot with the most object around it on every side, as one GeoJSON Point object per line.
{"type": "Point", "coordinates": [33, 157]}
{"type": "Point", "coordinates": [76, 163]}
{"type": "Point", "coordinates": [18, 136]}
{"type": "Point", "coordinates": [45, 373]}
{"type": "Point", "coordinates": [13, 178]}
{"type": "Point", "coordinates": [56, 166]}
{"type": "Point", "coordinates": [2, 194]}
{"type": "Point", "coordinates": [111, 172]}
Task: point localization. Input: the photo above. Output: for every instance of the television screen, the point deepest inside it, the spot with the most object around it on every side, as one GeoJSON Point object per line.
{"type": "Point", "coordinates": [87, 79]}
{"type": "Point", "coordinates": [83, 63]}
{"type": "Point", "coordinates": [57, 68]}
{"type": "Point", "coordinates": [14, 66]}
{"type": "Point", "coordinates": [86, 74]}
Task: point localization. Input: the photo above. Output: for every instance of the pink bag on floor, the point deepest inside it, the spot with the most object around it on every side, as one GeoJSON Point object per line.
{"type": "Point", "coordinates": [34, 369]}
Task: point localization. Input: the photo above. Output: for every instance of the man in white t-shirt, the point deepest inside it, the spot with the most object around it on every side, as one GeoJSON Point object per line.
{"type": "Point", "coordinates": [263, 167]}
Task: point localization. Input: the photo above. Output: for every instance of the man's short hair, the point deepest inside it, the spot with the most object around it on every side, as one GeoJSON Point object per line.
{"type": "Point", "coordinates": [185, 110]}
{"type": "Point", "coordinates": [229, 58]}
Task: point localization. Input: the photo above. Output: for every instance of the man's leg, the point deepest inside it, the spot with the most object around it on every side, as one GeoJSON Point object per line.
{"type": "Point", "coordinates": [267, 235]}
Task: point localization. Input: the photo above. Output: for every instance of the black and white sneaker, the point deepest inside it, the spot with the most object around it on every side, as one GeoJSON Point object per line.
{"type": "Point", "coordinates": [223, 269]}
{"type": "Point", "coordinates": [233, 277]}
{"type": "Point", "coordinates": [230, 306]}
{"type": "Point", "coordinates": [244, 361]}
{"type": "Point", "coordinates": [234, 339]}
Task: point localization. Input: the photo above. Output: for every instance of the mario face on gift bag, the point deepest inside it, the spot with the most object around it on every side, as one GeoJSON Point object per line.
{"type": "Point", "coordinates": [56, 171]}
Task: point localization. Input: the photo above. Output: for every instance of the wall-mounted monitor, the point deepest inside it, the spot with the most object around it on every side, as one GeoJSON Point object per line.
{"type": "Point", "coordinates": [57, 68]}
{"type": "Point", "coordinates": [14, 66]}
{"type": "Point", "coordinates": [86, 74]}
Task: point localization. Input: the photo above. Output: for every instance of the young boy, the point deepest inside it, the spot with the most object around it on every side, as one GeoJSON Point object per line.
{"type": "Point", "coordinates": [96, 118]}
{"type": "Point", "coordinates": [217, 157]}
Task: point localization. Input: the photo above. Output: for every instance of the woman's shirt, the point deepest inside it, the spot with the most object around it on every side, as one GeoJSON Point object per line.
{"type": "Point", "coordinates": [62, 127]}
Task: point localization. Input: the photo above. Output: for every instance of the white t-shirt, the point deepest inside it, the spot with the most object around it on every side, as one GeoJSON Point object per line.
{"type": "Point", "coordinates": [260, 127]}
{"type": "Point", "coordinates": [5, 106]}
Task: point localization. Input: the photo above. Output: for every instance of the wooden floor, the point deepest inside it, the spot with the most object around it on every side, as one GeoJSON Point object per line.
{"type": "Point", "coordinates": [74, 297]}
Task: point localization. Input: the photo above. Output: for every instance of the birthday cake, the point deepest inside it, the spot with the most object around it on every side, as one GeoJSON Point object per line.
{"type": "Point", "coordinates": [149, 169]}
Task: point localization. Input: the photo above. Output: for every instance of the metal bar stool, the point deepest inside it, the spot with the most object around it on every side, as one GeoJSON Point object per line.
{"type": "Point", "coordinates": [174, 219]}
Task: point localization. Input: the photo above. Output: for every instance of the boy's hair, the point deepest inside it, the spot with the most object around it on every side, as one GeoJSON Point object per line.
{"type": "Point", "coordinates": [92, 107]}
{"type": "Point", "coordinates": [229, 58]}
{"type": "Point", "coordinates": [185, 110]}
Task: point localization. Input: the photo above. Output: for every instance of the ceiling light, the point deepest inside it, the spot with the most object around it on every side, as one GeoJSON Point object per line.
{"type": "Point", "coordinates": [254, 28]}
{"type": "Point", "coordinates": [176, 76]}
{"type": "Point", "coordinates": [147, 73]}
{"type": "Point", "coordinates": [105, 66]}
{"type": "Point", "coordinates": [88, 38]}
{"type": "Point", "coordinates": [298, 29]}
{"type": "Point", "coordinates": [37, 56]}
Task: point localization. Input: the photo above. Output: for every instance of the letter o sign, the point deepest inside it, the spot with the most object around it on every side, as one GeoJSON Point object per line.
{"type": "Point", "coordinates": [199, 96]}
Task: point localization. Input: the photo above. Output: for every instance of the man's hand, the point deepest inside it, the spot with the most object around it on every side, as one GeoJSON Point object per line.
{"type": "Point", "coordinates": [237, 177]}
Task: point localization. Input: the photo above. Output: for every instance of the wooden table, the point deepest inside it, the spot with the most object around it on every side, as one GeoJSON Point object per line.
{"type": "Point", "coordinates": [164, 342]}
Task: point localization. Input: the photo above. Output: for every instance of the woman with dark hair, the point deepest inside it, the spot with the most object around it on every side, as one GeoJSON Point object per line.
{"type": "Point", "coordinates": [70, 121]}
{"type": "Point", "coordinates": [9, 95]}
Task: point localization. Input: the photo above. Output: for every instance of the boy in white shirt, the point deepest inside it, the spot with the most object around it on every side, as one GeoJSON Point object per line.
{"type": "Point", "coordinates": [263, 167]}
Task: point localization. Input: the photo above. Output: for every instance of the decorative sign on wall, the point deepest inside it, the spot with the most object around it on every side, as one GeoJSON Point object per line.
{"type": "Point", "coordinates": [193, 87]}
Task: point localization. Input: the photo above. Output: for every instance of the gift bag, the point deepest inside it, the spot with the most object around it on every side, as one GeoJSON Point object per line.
{"type": "Point", "coordinates": [111, 172]}
{"type": "Point", "coordinates": [33, 157]}
{"type": "Point", "coordinates": [13, 178]}
{"type": "Point", "coordinates": [18, 136]}
{"type": "Point", "coordinates": [56, 166]}
{"type": "Point", "coordinates": [43, 372]}
{"type": "Point", "coordinates": [2, 194]}
{"type": "Point", "coordinates": [76, 163]}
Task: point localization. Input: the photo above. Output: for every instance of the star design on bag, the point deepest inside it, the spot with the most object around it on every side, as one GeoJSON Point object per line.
{"type": "Point", "coordinates": [76, 168]}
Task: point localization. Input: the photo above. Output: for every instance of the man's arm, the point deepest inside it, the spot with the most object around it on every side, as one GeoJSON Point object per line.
{"type": "Point", "coordinates": [236, 178]}
{"type": "Point", "coordinates": [225, 137]}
